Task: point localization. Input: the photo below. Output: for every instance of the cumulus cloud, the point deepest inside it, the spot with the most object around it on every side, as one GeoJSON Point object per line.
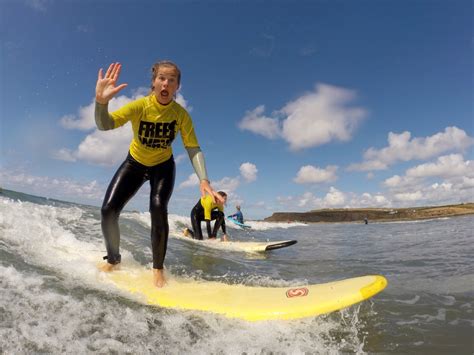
{"type": "Point", "coordinates": [249, 171]}
{"type": "Point", "coordinates": [255, 122]}
{"type": "Point", "coordinates": [309, 174]}
{"type": "Point", "coordinates": [227, 184]}
{"type": "Point", "coordinates": [180, 158]}
{"type": "Point", "coordinates": [191, 181]}
{"type": "Point", "coordinates": [447, 166]}
{"type": "Point", "coordinates": [452, 168]}
{"type": "Point", "coordinates": [333, 198]}
{"type": "Point", "coordinates": [401, 147]}
{"type": "Point", "coordinates": [315, 118]}
{"type": "Point", "coordinates": [449, 179]}
{"type": "Point", "coordinates": [105, 148]}
{"type": "Point", "coordinates": [53, 187]}
{"type": "Point", "coordinates": [39, 5]}
{"type": "Point", "coordinates": [84, 118]}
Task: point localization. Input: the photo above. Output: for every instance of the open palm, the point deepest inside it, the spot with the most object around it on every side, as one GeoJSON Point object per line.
{"type": "Point", "coordinates": [106, 87]}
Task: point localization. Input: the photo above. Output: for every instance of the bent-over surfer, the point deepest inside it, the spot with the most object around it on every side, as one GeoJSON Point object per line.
{"type": "Point", "coordinates": [208, 210]}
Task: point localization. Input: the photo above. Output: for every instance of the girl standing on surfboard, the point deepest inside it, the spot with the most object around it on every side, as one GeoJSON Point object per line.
{"type": "Point", "coordinates": [156, 119]}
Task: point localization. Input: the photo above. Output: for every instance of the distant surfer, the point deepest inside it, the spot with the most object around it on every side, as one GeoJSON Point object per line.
{"type": "Point", "coordinates": [366, 220]}
{"type": "Point", "coordinates": [207, 210]}
{"type": "Point", "coordinates": [155, 119]}
{"type": "Point", "coordinates": [238, 216]}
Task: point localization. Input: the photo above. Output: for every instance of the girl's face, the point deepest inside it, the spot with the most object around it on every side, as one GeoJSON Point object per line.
{"type": "Point", "coordinates": [165, 84]}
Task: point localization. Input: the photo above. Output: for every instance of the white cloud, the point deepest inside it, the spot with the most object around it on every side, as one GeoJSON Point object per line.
{"type": "Point", "coordinates": [369, 200]}
{"type": "Point", "coordinates": [83, 28]}
{"type": "Point", "coordinates": [334, 198]}
{"type": "Point", "coordinates": [178, 159]}
{"type": "Point", "coordinates": [52, 187]}
{"type": "Point", "coordinates": [320, 117]}
{"type": "Point", "coordinates": [183, 102]}
{"type": "Point", "coordinates": [453, 168]}
{"type": "Point", "coordinates": [409, 196]}
{"type": "Point", "coordinates": [314, 119]}
{"type": "Point", "coordinates": [40, 5]}
{"type": "Point", "coordinates": [447, 166]}
{"type": "Point", "coordinates": [309, 174]}
{"type": "Point", "coordinates": [257, 123]}
{"type": "Point", "coordinates": [192, 181]}
{"type": "Point", "coordinates": [84, 119]}
{"type": "Point", "coordinates": [105, 148]}
{"type": "Point", "coordinates": [226, 184]}
{"type": "Point", "coordinates": [453, 182]}
{"type": "Point", "coordinates": [401, 147]}
{"type": "Point", "coordinates": [248, 171]}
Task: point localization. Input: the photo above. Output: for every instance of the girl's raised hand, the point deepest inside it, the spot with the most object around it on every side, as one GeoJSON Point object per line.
{"type": "Point", "coordinates": [106, 88]}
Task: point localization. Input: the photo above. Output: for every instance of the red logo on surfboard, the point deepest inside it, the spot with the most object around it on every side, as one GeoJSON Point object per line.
{"type": "Point", "coordinates": [297, 292]}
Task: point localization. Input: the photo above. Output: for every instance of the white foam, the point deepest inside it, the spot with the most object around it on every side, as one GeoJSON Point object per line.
{"type": "Point", "coordinates": [176, 221]}
{"type": "Point", "coordinates": [410, 301]}
{"type": "Point", "coordinates": [53, 320]}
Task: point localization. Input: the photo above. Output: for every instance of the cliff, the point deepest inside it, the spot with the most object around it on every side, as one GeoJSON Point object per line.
{"type": "Point", "coordinates": [372, 214]}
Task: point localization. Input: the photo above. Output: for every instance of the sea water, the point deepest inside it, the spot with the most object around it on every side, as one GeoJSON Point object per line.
{"type": "Point", "coordinates": [54, 300]}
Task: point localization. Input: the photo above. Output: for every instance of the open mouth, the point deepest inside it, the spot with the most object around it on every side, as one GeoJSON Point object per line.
{"type": "Point", "coordinates": [164, 93]}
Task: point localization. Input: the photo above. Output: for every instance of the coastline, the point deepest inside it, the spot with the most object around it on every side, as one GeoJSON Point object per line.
{"type": "Point", "coordinates": [338, 215]}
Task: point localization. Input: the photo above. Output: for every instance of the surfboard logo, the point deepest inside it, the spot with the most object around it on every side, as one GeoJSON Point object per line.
{"type": "Point", "coordinates": [297, 292]}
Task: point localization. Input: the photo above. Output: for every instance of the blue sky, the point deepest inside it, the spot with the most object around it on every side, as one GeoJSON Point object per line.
{"type": "Point", "coordinates": [298, 105]}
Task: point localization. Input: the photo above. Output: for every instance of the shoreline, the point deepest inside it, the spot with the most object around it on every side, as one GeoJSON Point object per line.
{"type": "Point", "coordinates": [359, 215]}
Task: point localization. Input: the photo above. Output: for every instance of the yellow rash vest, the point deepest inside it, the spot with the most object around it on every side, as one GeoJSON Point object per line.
{"type": "Point", "coordinates": [154, 128]}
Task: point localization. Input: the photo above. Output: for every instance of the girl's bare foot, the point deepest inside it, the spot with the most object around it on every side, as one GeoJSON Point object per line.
{"type": "Point", "coordinates": [106, 267]}
{"type": "Point", "coordinates": [159, 278]}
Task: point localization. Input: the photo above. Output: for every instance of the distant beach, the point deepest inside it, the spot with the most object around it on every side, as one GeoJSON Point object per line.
{"type": "Point", "coordinates": [373, 214]}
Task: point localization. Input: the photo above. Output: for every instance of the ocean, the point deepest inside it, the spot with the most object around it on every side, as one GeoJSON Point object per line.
{"type": "Point", "coordinates": [53, 299]}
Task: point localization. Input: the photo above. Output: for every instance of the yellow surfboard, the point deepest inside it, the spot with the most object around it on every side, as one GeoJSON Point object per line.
{"type": "Point", "coordinates": [246, 302]}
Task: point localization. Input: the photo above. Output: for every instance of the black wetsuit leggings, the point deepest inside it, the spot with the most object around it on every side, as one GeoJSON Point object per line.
{"type": "Point", "coordinates": [197, 216]}
{"type": "Point", "coordinates": [126, 182]}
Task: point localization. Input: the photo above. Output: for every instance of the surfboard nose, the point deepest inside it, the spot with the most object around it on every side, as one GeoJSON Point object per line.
{"type": "Point", "coordinates": [375, 287]}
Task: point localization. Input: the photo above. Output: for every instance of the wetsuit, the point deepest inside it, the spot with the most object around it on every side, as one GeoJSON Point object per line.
{"type": "Point", "coordinates": [150, 158]}
{"type": "Point", "coordinates": [238, 216]}
{"type": "Point", "coordinates": [206, 210]}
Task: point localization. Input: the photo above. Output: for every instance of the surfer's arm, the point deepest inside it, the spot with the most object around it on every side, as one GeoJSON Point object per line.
{"type": "Point", "coordinates": [197, 160]}
{"type": "Point", "coordinates": [102, 118]}
{"type": "Point", "coordinates": [199, 164]}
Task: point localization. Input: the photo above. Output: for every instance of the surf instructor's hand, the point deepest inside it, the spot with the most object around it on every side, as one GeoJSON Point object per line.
{"type": "Point", "coordinates": [105, 88]}
{"type": "Point", "coordinates": [205, 187]}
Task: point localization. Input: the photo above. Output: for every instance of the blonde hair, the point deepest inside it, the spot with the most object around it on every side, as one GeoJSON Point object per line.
{"type": "Point", "coordinates": [163, 63]}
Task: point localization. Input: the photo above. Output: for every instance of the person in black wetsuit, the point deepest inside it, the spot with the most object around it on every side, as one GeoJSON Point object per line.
{"type": "Point", "coordinates": [207, 210]}
{"type": "Point", "coordinates": [156, 119]}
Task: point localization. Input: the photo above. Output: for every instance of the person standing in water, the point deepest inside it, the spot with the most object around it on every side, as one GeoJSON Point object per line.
{"type": "Point", "coordinates": [208, 210]}
{"type": "Point", "coordinates": [156, 120]}
{"type": "Point", "coordinates": [238, 216]}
